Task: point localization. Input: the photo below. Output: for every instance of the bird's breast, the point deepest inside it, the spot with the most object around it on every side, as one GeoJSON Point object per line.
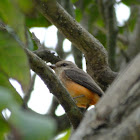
{"type": "Point", "coordinates": [83, 96]}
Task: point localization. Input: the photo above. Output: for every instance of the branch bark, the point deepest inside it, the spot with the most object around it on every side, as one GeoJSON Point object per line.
{"type": "Point", "coordinates": [117, 114]}
{"type": "Point", "coordinates": [93, 50]}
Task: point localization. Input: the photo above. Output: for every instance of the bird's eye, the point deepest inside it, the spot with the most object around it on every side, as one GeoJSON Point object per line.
{"type": "Point", "coordinates": [64, 64]}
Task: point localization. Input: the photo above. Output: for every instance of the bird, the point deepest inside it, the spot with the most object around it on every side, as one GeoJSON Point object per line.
{"type": "Point", "coordinates": [82, 88]}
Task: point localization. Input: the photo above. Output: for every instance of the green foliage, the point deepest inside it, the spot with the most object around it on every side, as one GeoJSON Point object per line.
{"type": "Point", "coordinates": [14, 63]}
{"type": "Point", "coordinates": [11, 15]}
{"type": "Point", "coordinates": [6, 99]}
{"type": "Point", "coordinates": [74, 1]}
{"type": "Point", "coordinates": [131, 2]}
{"type": "Point", "coordinates": [4, 81]}
{"type": "Point", "coordinates": [36, 20]}
{"type": "Point", "coordinates": [27, 125]}
{"type": "Point", "coordinates": [25, 5]}
{"type": "Point", "coordinates": [33, 127]}
{"type": "Point", "coordinates": [3, 128]}
{"type": "Point", "coordinates": [133, 18]}
{"type": "Point", "coordinates": [67, 135]}
{"type": "Point", "coordinates": [78, 14]}
{"type": "Point", "coordinates": [86, 3]}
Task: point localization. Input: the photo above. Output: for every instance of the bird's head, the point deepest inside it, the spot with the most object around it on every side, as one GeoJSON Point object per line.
{"type": "Point", "coordinates": [60, 66]}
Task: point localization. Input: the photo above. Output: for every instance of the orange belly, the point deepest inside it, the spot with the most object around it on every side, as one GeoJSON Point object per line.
{"type": "Point", "coordinates": [82, 96]}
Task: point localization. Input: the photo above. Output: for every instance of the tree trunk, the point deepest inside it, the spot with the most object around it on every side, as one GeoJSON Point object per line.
{"type": "Point", "coordinates": [117, 115]}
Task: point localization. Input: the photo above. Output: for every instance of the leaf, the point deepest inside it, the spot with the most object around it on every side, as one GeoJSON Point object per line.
{"type": "Point", "coordinates": [11, 15]}
{"type": "Point", "coordinates": [36, 20]}
{"type": "Point", "coordinates": [131, 2]}
{"type": "Point", "coordinates": [74, 1]}
{"type": "Point", "coordinates": [14, 63]}
{"type": "Point", "coordinates": [4, 128]}
{"type": "Point", "coordinates": [78, 14]}
{"type": "Point", "coordinates": [6, 99]}
{"type": "Point", "coordinates": [33, 127]}
{"type": "Point", "coordinates": [86, 3]}
{"type": "Point", "coordinates": [67, 136]}
{"type": "Point", "coordinates": [133, 19]}
{"type": "Point", "coordinates": [4, 82]}
{"type": "Point", "coordinates": [25, 5]}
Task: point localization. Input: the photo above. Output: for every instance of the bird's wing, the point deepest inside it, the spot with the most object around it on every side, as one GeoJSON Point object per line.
{"type": "Point", "coordinates": [82, 78]}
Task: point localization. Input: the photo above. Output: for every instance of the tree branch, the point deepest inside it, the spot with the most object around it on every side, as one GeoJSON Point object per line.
{"type": "Point", "coordinates": [94, 51]}
{"type": "Point", "coordinates": [47, 56]}
{"type": "Point", "coordinates": [55, 87]}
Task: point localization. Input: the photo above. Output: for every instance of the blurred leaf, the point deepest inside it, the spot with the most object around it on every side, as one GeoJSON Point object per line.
{"type": "Point", "coordinates": [11, 15]}
{"type": "Point", "coordinates": [93, 13]}
{"type": "Point", "coordinates": [100, 22]}
{"type": "Point", "coordinates": [36, 20]}
{"type": "Point", "coordinates": [67, 136]}
{"type": "Point", "coordinates": [4, 128]}
{"type": "Point", "coordinates": [133, 19]}
{"type": "Point", "coordinates": [78, 14]}
{"type": "Point", "coordinates": [86, 3]}
{"type": "Point", "coordinates": [102, 37]}
{"type": "Point", "coordinates": [6, 99]}
{"type": "Point", "coordinates": [33, 127]}
{"type": "Point", "coordinates": [25, 5]}
{"type": "Point", "coordinates": [4, 82]}
{"type": "Point", "coordinates": [74, 1]}
{"type": "Point", "coordinates": [131, 2]}
{"type": "Point", "coordinates": [14, 63]}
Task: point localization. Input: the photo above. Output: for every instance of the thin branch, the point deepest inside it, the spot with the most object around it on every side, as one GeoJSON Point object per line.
{"type": "Point", "coordinates": [28, 94]}
{"type": "Point", "coordinates": [59, 47]}
{"type": "Point", "coordinates": [37, 41]}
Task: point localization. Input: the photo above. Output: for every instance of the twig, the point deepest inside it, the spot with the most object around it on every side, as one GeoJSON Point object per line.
{"type": "Point", "coordinates": [37, 41]}
{"type": "Point", "coordinates": [47, 56]}
{"type": "Point", "coordinates": [28, 94]}
{"type": "Point", "coordinates": [53, 106]}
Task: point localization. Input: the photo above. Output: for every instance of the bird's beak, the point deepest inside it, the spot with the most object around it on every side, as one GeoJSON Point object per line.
{"type": "Point", "coordinates": [52, 66]}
